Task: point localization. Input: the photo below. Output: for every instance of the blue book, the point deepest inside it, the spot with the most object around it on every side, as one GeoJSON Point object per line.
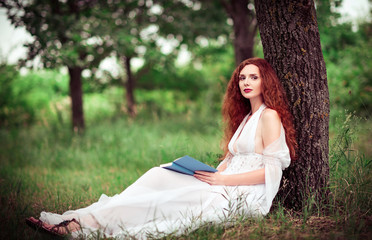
{"type": "Point", "coordinates": [187, 165]}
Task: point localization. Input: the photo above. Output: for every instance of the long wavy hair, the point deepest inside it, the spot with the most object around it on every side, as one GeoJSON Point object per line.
{"type": "Point", "coordinates": [235, 107]}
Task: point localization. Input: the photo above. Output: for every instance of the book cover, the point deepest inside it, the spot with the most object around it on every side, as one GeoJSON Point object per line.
{"type": "Point", "coordinates": [188, 165]}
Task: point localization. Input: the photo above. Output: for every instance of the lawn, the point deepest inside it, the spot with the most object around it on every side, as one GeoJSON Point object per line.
{"type": "Point", "coordinates": [46, 168]}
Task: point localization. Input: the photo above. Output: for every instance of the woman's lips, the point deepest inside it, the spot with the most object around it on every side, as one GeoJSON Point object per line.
{"type": "Point", "coordinates": [247, 90]}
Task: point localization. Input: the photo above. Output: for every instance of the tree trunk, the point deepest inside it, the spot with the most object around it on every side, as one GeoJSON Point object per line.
{"type": "Point", "coordinates": [76, 95]}
{"type": "Point", "coordinates": [245, 28]}
{"type": "Point", "coordinates": [129, 86]}
{"type": "Point", "coordinates": [291, 44]}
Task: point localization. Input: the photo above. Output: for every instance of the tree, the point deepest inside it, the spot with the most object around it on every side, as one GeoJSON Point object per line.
{"type": "Point", "coordinates": [245, 27]}
{"type": "Point", "coordinates": [209, 19]}
{"type": "Point", "coordinates": [65, 34]}
{"type": "Point", "coordinates": [137, 26]}
{"type": "Point", "coordinates": [125, 24]}
{"type": "Point", "coordinates": [291, 44]}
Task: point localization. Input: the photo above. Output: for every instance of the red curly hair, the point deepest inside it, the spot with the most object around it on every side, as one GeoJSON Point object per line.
{"type": "Point", "coordinates": [235, 107]}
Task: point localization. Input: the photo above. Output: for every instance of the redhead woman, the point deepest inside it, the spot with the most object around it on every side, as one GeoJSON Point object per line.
{"type": "Point", "coordinates": [259, 142]}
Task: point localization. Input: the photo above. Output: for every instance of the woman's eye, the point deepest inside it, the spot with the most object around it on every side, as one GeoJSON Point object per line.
{"type": "Point", "coordinates": [241, 77]}
{"type": "Point", "coordinates": [254, 77]}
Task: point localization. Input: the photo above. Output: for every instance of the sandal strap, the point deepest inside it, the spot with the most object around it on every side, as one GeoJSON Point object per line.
{"type": "Point", "coordinates": [64, 224]}
{"type": "Point", "coordinates": [39, 222]}
{"type": "Point", "coordinates": [67, 222]}
{"type": "Point", "coordinates": [55, 229]}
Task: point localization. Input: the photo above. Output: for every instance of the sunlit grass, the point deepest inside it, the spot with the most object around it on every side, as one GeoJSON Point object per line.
{"type": "Point", "coordinates": [47, 168]}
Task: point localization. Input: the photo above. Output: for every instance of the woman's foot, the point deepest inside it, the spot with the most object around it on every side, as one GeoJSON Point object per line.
{"type": "Point", "coordinates": [34, 223]}
{"type": "Point", "coordinates": [61, 229]}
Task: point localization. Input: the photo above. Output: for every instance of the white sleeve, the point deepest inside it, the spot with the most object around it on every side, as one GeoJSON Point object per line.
{"type": "Point", "coordinates": [276, 158]}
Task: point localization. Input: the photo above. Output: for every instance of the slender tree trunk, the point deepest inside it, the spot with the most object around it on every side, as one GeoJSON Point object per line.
{"type": "Point", "coordinates": [245, 28]}
{"type": "Point", "coordinates": [129, 86]}
{"type": "Point", "coordinates": [291, 44]}
{"type": "Point", "coordinates": [76, 95]}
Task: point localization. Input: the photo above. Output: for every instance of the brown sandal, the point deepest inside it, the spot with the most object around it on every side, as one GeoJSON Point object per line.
{"type": "Point", "coordinates": [55, 229]}
{"type": "Point", "coordinates": [39, 225]}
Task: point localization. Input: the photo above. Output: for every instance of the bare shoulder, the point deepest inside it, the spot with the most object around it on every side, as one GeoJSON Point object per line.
{"type": "Point", "coordinates": [271, 126]}
{"type": "Point", "coordinates": [270, 117]}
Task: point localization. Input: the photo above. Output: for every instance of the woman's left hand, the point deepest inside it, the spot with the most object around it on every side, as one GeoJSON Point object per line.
{"type": "Point", "coordinates": [210, 177]}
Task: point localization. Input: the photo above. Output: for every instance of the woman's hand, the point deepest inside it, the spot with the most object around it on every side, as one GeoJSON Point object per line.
{"type": "Point", "coordinates": [210, 177]}
{"type": "Point", "coordinates": [247, 178]}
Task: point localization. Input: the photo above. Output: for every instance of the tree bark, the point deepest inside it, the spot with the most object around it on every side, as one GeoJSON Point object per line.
{"type": "Point", "coordinates": [129, 86]}
{"type": "Point", "coordinates": [76, 95]}
{"type": "Point", "coordinates": [291, 44]}
{"type": "Point", "coordinates": [245, 28]}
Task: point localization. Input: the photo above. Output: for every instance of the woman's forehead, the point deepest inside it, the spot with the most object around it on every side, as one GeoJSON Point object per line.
{"type": "Point", "coordinates": [250, 69]}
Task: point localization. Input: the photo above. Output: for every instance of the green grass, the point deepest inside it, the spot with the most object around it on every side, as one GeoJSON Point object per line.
{"type": "Point", "coordinates": [47, 168]}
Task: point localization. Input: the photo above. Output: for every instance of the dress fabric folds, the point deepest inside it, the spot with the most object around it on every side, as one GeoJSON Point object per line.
{"type": "Point", "coordinates": [162, 201]}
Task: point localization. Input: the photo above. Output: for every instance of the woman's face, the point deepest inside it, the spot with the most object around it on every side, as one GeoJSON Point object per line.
{"type": "Point", "coordinates": [250, 82]}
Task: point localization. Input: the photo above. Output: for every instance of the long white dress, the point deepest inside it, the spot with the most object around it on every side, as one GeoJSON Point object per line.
{"type": "Point", "coordinates": [162, 201]}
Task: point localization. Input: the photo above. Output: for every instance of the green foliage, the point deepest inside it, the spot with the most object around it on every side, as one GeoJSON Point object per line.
{"type": "Point", "coordinates": [161, 102]}
{"type": "Point", "coordinates": [42, 97]}
{"type": "Point", "coordinates": [186, 79]}
{"type": "Point", "coordinates": [191, 20]}
{"type": "Point", "coordinates": [350, 82]}
{"type": "Point", "coordinates": [349, 76]}
{"type": "Point", "coordinates": [347, 59]}
{"type": "Point", "coordinates": [7, 76]}
{"type": "Point", "coordinates": [26, 97]}
{"type": "Point", "coordinates": [350, 174]}
{"type": "Point", "coordinates": [65, 33]}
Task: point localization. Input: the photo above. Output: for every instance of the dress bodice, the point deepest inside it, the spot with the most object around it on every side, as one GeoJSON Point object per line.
{"type": "Point", "coordinates": [244, 136]}
{"type": "Point", "coordinates": [242, 157]}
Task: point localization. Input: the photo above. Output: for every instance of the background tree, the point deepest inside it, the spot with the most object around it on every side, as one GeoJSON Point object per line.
{"type": "Point", "coordinates": [291, 44]}
{"type": "Point", "coordinates": [125, 22]}
{"type": "Point", "coordinates": [65, 35]}
{"type": "Point", "coordinates": [245, 27]}
{"type": "Point", "coordinates": [210, 19]}
{"type": "Point", "coordinates": [138, 28]}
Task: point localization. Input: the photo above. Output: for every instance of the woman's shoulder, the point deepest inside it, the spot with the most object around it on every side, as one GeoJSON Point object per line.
{"type": "Point", "coordinates": [271, 126]}
{"type": "Point", "coordinates": [270, 116]}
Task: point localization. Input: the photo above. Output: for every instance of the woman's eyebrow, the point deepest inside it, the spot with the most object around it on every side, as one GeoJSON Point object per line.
{"type": "Point", "coordinates": [251, 74]}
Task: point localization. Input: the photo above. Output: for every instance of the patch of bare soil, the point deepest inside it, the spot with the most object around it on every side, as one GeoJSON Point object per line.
{"type": "Point", "coordinates": [315, 228]}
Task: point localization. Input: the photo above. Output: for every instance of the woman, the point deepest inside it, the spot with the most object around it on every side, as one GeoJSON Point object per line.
{"type": "Point", "coordinates": [259, 142]}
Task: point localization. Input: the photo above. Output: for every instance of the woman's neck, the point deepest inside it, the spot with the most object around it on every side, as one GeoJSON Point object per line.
{"type": "Point", "coordinates": [256, 103]}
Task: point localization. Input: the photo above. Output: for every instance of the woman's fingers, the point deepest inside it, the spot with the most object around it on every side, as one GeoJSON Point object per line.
{"type": "Point", "coordinates": [204, 173]}
{"type": "Point", "coordinates": [202, 177]}
{"type": "Point", "coordinates": [210, 178]}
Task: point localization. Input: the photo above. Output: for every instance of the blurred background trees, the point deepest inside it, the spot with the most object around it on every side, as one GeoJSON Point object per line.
{"type": "Point", "coordinates": [165, 57]}
{"type": "Point", "coordinates": [245, 27]}
{"type": "Point", "coordinates": [66, 33]}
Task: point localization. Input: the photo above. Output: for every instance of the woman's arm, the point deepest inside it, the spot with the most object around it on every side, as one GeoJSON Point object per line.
{"type": "Point", "coordinates": [222, 167]}
{"type": "Point", "coordinates": [271, 126]}
{"type": "Point", "coordinates": [249, 178]}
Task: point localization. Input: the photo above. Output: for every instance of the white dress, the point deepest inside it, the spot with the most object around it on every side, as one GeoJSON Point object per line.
{"type": "Point", "coordinates": [162, 201]}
